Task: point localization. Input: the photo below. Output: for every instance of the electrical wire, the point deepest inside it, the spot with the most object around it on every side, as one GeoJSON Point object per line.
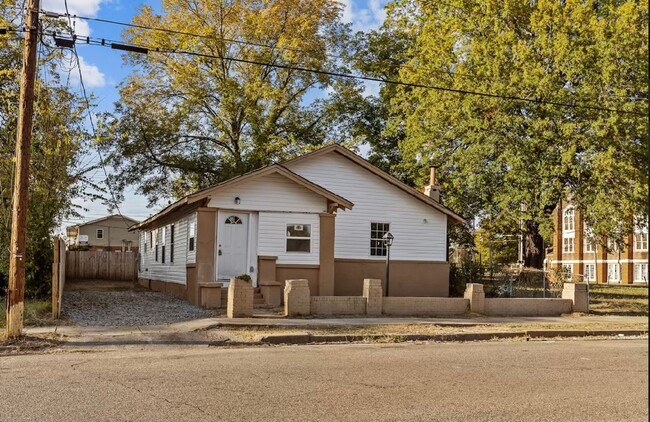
{"type": "Point", "coordinates": [293, 49]}
{"type": "Point", "coordinates": [90, 117]}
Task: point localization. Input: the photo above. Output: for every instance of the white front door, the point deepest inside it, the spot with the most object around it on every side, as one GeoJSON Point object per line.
{"type": "Point", "coordinates": [232, 246]}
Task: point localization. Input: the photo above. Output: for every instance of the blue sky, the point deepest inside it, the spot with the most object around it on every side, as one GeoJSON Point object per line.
{"type": "Point", "coordinates": [103, 70]}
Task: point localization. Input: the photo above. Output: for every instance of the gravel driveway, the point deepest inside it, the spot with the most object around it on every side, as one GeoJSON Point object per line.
{"type": "Point", "coordinates": [133, 307]}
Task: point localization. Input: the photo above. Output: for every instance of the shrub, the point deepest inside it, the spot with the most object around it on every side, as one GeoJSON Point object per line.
{"type": "Point", "coordinates": [245, 277]}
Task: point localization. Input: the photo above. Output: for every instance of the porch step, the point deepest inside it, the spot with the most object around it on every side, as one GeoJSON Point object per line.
{"type": "Point", "coordinates": [258, 298]}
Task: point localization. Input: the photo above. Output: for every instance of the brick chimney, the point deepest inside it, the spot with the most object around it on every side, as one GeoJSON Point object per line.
{"type": "Point", "coordinates": [433, 190]}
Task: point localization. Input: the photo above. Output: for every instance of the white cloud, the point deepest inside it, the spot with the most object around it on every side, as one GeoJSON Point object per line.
{"type": "Point", "coordinates": [364, 15]}
{"type": "Point", "coordinates": [87, 8]}
{"type": "Point", "coordinates": [93, 77]}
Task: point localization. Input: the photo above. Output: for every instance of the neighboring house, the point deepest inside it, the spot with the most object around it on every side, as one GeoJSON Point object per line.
{"type": "Point", "coordinates": [319, 217]}
{"type": "Point", "coordinates": [573, 250]}
{"type": "Point", "coordinates": [110, 233]}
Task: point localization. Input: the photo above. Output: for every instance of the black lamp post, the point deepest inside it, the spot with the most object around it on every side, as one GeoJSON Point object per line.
{"type": "Point", "coordinates": [388, 242]}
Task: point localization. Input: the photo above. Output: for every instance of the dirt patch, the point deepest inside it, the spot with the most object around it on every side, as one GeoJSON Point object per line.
{"type": "Point", "coordinates": [393, 331]}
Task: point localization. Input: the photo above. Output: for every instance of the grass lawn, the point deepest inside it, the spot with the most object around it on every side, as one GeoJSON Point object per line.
{"type": "Point", "coordinates": [38, 312]}
{"type": "Point", "coordinates": [618, 300]}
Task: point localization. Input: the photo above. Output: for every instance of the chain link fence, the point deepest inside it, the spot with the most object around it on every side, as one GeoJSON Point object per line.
{"type": "Point", "coordinates": [511, 281]}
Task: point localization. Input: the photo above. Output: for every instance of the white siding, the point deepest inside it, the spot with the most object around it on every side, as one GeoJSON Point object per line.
{"type": "Point", "coordinates": [169, 271]}
{"type": "Point", "coordinates": [376, 200]}
{"type": "Point", "coordinates": [272, 237]}
{"type": "Point", "coordinates": [270, 193]}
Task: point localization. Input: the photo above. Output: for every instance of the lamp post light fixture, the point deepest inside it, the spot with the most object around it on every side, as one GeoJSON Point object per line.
{"type": "Point", "coordinates": [388, 242]}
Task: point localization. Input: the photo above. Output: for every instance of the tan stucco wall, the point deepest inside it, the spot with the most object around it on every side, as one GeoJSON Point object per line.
{"type": "Point", "coordinates": [294, 272]}
{"type": "Point", "coordinates": [407, 278]}
{"type": "Point", "coordinates": [115, 231]}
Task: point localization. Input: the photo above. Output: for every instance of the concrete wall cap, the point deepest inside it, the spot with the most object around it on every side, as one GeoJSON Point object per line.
{"type": "Point", "coordinates": [301, 282]}
{"type": "Point", "coordinates": [372, 281]}
{"type": "Point", "coordinates": [210, 284]}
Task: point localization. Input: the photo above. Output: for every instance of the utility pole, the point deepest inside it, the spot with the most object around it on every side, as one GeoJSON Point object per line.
{"type": "Point", "coordinates": [16, 291]}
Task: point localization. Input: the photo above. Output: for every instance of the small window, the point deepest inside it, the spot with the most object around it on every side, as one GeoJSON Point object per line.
{"type": "Point", "coordinates": [590, 272]}
{"type": "Point", "coordinates": [171, 243]}
{"type": "Point", "coordinates": [641, 241]}
{"type": "Point", "coordinates": [100, 234]}
{"type": "Point", "coordinates": [190, 245]}
{"type": "Point", "coordinates": [144, 238]}
{"type": "Point", "coordinates": [233, 219]}
{"type": "Point", "coordinates": [569, 219]}
{"type": "Point", "coordinates": [614, 272]}
{"type": "Point", "coordinates": [299, 238]}
{"type": "Point", "coordinates": [640, 273]}
{"type": "Point", "coordinates": [569, 245]}
{"type": "Point", "coordinates": [568, 269]}
{"type": "Point", "coordinates": [377, 244]}
{"type": "Point", "coordinates": [612, 245]}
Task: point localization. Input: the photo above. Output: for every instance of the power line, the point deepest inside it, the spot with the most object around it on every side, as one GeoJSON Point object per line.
{"type": "Point", "coordinates": [145, 49]}
{"type": "Point", "coordinates": [90, 117]}
{"type": "Point", "coordinates": [273, 47]}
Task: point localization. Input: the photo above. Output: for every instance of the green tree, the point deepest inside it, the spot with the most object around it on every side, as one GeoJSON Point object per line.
{"type": "Point", "coordinates": [185, 122]}
{"type": "Point", "coordinates": [57, 144]}
{"type": "Point", "coordinates": [497, 155]}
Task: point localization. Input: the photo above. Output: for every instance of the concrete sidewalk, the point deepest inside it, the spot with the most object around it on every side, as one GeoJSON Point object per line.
{"type": "Point", "coordinates": [190, 331]}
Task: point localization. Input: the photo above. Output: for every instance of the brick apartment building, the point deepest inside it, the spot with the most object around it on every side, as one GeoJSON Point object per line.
{"type": "Point", "coordinates": [573, 251]}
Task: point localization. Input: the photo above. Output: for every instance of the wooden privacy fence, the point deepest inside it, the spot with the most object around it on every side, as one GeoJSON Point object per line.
{"type": "Point", "coordinates": [101, 265]}
{"type": "Point", "coordinates": [58, 275]}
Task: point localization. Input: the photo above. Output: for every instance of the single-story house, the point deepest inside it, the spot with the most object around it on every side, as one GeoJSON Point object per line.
{"type": "Point", "coordinates": [110, 233]}
{"type": "Point", "coordinates": [321, 217]}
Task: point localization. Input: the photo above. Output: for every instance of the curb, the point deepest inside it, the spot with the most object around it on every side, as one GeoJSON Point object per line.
{"type": "Point", "coordinates": [307, 338]}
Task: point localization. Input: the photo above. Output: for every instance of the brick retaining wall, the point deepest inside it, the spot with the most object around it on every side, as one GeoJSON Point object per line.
{"type": "Point", "coordinates": [429, 306]}
{"type": "Point", "coordinates": [338, 305]}
{"type": "Point", "coordinates": [527, 307]}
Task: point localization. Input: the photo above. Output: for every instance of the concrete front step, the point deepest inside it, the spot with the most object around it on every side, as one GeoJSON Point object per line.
{"type": "Point", "coordinates": [258, 298]}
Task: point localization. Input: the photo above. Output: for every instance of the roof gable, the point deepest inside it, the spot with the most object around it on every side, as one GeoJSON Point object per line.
{"type": "Point", "coordinates": [200, 198]}
{"type": "Point", "coordinates": [354, 158]}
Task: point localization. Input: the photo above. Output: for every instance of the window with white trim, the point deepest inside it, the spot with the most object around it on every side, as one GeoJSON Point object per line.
{"type": "Point", "coordinates": [640, 273]}
{"type": "Point", "coordinates": [568, 269]}
{"type": "Point", "coordinates": [156, 244]}
{"type": "Point", "coordinates": [298, 238]}
{"type": "Point", "coordinates": [171, 243]}
{"type": "Point", "coordinates": [612, 245]}
{"type": "Point", "coordinates": [641, 241]}
{"type": "Point", "coordinates": [377, 243]}
{"type": "Point", "coordinates": [590, 242]}
{"type": "Point", "coordinates": [99, 234]}
{"type": "Point", "coordinates": [569, 219]}
{"type": "Point", "coordinates": [162, 248]}
{"type": "Point", "coordinates": [590, 272]}
{"type": "Point", "coordinates": [568, 245]}
{"type": "Point", "coordinates": [613, 273]}
{"type": "Point", "coordinates": [191, 237]}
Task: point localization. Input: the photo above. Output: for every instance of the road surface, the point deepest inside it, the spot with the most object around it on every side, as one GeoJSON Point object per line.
{"type": "Point", "coordinates": [585, 380]}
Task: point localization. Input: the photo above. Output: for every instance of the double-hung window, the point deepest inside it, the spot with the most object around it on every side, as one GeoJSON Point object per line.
{"type": "Point", "coordinates": [377, 243]}
{"type": "Point", "coordinates": [190, 244]}
{"type": "Point", "coordinates": [156, 244]}
{"type": "Point", "coordinates": [613, 273]}
{"type": "Point", "coordinates": [590, 272]}
{"type": "Point", "coordinates": [298, 238]}
{"type": "Point", "coordinates": [99, 234]}
{"type": "Point", "coordinates": [641, 241]}
{"type": "Point", "coordinates": [640, 273]}
{"type": "Point", "coordinates": [171, 243]}
{"type": "Point", "coordinates": [163, 241]}
{"type": "Point", "coordinates": [569, 220]}
{"type": "Point", "coordinates": [568, 245]}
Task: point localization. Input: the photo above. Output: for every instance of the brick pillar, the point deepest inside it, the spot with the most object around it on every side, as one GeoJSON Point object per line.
{"type": "Point", "coordinates": [374, 293]}
{"type": "Point", "coordinates": [474, 292]}
{"type": "Point", "coordinates": [579, 295]}
{"type": "Point", "coordinates": [206, 239]}
{"type": "Point", "coordinates": [627, 268]}
{"type": "Point", "coordinates": [579, 243]}
{"type": "Point", "coordinates": [240, 299]}
{"type": "Point", "coordinates": [297, 300]}
{"type": "Point", "coordinates": [326, 269]}
{"type": "Point", "coordinates": [601, 270]}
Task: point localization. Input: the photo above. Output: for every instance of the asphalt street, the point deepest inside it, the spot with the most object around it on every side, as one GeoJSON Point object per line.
{"type": "Point", "coordinates": [582, 380]}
